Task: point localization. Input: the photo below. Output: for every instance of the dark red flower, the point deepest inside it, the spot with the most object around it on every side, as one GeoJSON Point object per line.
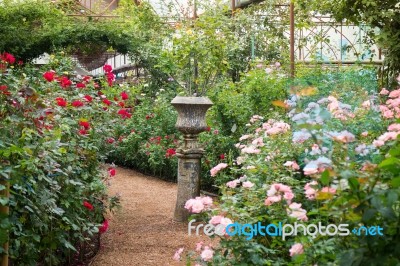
{"type": "Point", "coordinates": [107, 102]}
{"type": "Point", "coordinates": [9, 58]}
{"type": "Point", "coordinates": [222, 156]}
{"type": "Point", "coordinates": [49, 76]}
{"type": "Point", "coordinates": [104, 227]}
{"type": "Point", "coordinates": [110, 140]}
{"type": "Point", "coordinates": [80, 85]}
{"type": "Point", "coordinates": [3, 89]}
{"type": "Point", "coordinates": [61, 102]}
{"type": "Point", "coordinates": [122, 104]}
{"type": "Point", "coordinates": [77, 103]}
{"type": "Point", "coordinates": [124, 95]}
{"type": "Point", "coordinates": [124, 113]}
{"type": "Point", "coordinates": [83, 132]}
{"type": "Point", "coordinates": [96, 85]}
{"type": "Point", "coordinates": [112, 171]}
{"type": "Point", "coordinates": [88, 205]}
{"type": "Point", "coordinates": [65, 82]}
{"type": "Point", "coordinates": [88, 98]}
{"type": "Point", "coordinates": [84, 124]}
{"type": "Point", "coordinates": [107, 68]}
{"type": "Point", "coordinates": [208, 129]}
{"type": "Point", "coordinates": [170, 152]}
{"type": "Point", "coordinates": [110, 78]}
{"type": "Point", "coordinates": [86, 78]}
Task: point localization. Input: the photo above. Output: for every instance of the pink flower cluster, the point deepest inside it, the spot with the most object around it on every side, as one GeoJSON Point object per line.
{"type": "Point", "coordinates": [236, 182]}
{"type": "Point", "coordinates": [274, 194]}
{"type": "Point", "coordinates": [317, 166]}
{"type": "Point", "coordinates": [221, 222]}
{"type": "Point", "coordinates": [198, 204]}
{"type": "Point", "coordinates": [214, 171]}
{"type": "Point", "coordinates": [292, 164]}
{"type": "Point", "coordinates": [251, 150]}
{"type": "Point", "coordinates": [273, 127]}
{"type": "Point", "coordinates": [337, 110]}
{"type": "Point", "coordinates": [297, 212]}
{"type": "Point", "coordinates": [391, 108]}
{"type": "Point", "coordinates": [394, 131]}
{"type": "Point", "coordinates": [310, 190]}
{"type": "Point", "coordinates": [296, 249]}
{"type": "Point", "coordinates": [344, 136]}
{"type": "Point", "coordinates": [256, 118]}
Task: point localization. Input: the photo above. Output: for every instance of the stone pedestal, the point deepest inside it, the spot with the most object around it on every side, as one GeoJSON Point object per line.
{"type": "Point", "coordinates": [191, 121]}
{"type": "Point", "coordinates": [189, 166]}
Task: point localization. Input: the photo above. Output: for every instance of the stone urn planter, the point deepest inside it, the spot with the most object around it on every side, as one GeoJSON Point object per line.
{"type": "Point", "coordinates": [191, 121]}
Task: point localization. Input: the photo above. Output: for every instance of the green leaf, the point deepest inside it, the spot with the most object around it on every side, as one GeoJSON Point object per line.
{"type": "Point", "coordinates": [395, 182]}
{"type": "Point", "coordinates": [325, 178]}
{"type": "Point", "coordinates": [369, 214]}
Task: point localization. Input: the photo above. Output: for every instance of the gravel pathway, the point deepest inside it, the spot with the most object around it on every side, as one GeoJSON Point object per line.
{"type": "Point", "coordinates": [143, 232]}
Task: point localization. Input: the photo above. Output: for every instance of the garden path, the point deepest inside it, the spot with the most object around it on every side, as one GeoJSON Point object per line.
{"type": "Point", "coordinates": [143, 232]}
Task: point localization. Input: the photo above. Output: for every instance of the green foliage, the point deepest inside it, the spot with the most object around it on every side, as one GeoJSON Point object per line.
{"type": "Point", "coordinates": [333, 135]}
{"type": "Point", "coordinates": [52, 163]}
{"type": "Point", "coordinates": [30, 28]}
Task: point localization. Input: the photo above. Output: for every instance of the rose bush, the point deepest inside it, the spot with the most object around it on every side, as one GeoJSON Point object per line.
{"type": "Point", "coordinates": [334, 159]}
{"type": "Point", "coordinates": [52, 125]}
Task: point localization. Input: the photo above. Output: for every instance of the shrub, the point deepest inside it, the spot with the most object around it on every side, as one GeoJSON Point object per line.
{"type": "Point", "coordinates": [52, 125]}
{"type": "Point", "coordinates": [320, 166]}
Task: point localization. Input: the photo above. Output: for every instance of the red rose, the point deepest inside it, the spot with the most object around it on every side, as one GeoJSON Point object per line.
{"type": "Point", "coordinates": [80, 85]}
{"type": "Point", "coordinates": [110, 78]}
{"type": "Point", "coordinates": [77, 103]}
{"type": "Point", "coordinates": [112, 171]}
{"type": "Point", "coordinates": [107, 68]}
{"type": "Point", "coordinates": [3, 89]}
{"type": "Point", "coordinates": [49, 76]}
{"type": "Point", "coordinates": [107, 102]}
{"type": "Point", "coordinates": [208, 129]}
{"type": "Point", "coordinates": [61, 102]}
{"type": "Point", "coordinates": [88, 98]}
{"type": "Point", "coordinates": [88, 205]}
{"type": "Point", "coordinates": [65, 82]}
{"type": "Point", "coordinates": [124, 113]}
{"type": "Point", "coordinates": [124, 95]}
{"type": "Point", "coordinates": [110, 140]}
{"type": "Point", "coordinates": [84, 124]}
{"type": "Point", "coordinates": [9, 58]}
{"type": "Point", "coordinates": [83, 132]}
{"type": "Point", "coordinates": [104, 227]}
{"type": "Point", "coordinates": [122, 104]}
{"type": "Point", "coordinates": [86, 78]}
{"type": "Point", "coordinates": [170, 152]}
{"type": "Point", "coordinates": [222, 156]}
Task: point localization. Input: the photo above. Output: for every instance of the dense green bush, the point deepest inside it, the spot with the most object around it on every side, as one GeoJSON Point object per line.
{"type": "Point", "coordinates": [333, 160]}
{"type": "Point", "coordinates": [52, 125]}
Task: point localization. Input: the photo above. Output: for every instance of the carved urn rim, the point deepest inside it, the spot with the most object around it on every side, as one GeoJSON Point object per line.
{"type": "Point", "coordinates": [190, 100]}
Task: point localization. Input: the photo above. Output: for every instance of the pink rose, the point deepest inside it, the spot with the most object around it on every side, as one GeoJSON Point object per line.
{"type": "Point", "coordinates": [207, 254]}
{"type": "Point", "coordinates": [177, 255]}
{"type": "Point", "coordinates": [296, 249]}
{"type": "Point", "coordinates": [297, 212]}
{"type": "Point", "coordinates": [232, 184]}
{"type": "Point", "coordinates": [328, 190]}
{"type": "Point", "coordinates": [216, 219]}
{"type": "Point", "coordinates": [199, 245]}
{"type": "Point", "coordinates": [247, 184]}
{"type": "Point", "coordinates": [384, 91]}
